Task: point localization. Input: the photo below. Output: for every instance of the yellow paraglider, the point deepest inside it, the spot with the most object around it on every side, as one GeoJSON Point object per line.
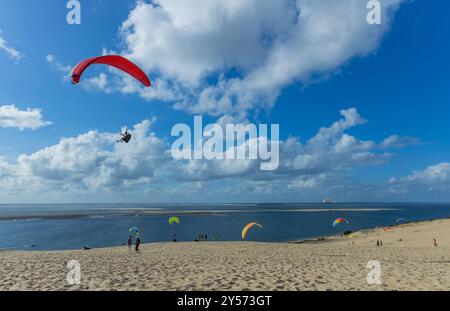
{"type": "Point", "coordinates": [246, 228]}
{"type": "Point", "coordinates": [173, 220]}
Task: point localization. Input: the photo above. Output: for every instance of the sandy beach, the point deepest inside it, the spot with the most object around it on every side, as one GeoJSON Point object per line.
{"type": "Point", "coordinates": [408, 260]}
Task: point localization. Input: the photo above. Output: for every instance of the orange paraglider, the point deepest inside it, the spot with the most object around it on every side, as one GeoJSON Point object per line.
{"type": "Point", "coordinates": [247, 227]}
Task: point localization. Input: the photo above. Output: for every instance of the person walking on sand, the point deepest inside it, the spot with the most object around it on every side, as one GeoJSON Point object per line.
{"type": "Point", "coordinates": [138, 243]}
{"type": "Point", "coordinates": [378, 242]}
{"type": "Point", "coordinates": [435, 243]}
{"type": "Point", "coordinates": [130, 242]}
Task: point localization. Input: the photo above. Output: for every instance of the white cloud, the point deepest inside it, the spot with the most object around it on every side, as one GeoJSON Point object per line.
{"type": "Point", "coordinates": [94, 163]}
{"type": "Point", "coordinates": [229, 57]}
{"type": "Point", "coordinates": [396, 141]}
{"type": "Point", "coordinates": [428, 185]}
{"type": "Point", "coordinates": [98, 83]}
{"type": "Point", "coordinates": [330, 151]}
{"type": "Point", "coordinates": [252, 48]}
{"type": "Point", "coordinates": [90, 162]}
{"type": "Point", "coordinates": [10, 116]}
{"type": "Point", "coordinates": [64, 69]}
{"type": "Point", "coordinates": [51, 59]}
{"type": "Point", "coordinates": [10, 51]}
{"type": "Point", "coordinates": [432, 178]}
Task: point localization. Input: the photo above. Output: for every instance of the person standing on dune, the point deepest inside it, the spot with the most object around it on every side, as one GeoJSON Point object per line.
{"type": "Point", "coordinates": [130, 241]}
{"type": "Point", "coordinates": [138, 243]}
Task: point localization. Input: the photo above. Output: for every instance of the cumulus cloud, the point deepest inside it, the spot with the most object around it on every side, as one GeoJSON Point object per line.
{"type": "Point", "coordinates": [324, 160]}
{"type": "Point", "coordinates": [99, 83]}
{"type": "Point", "coordinates": [65, 70]}
{"type": "Point", "coordinates": [11, 116]}
{"type": "Point", "coordinates": [329, 152]}
{"type": "Point", "coordinates": [9, 50]}
{"type": "Point", "coordinates": [229, 56]}
{"type": "Point", "coordinates": [428, 185]}
{"type": "Point", "coordinates": [90, 162]}
{"type": "Point", "coordinates": [93, 162]}
{"type": "Point", "coordinates": [51, 59]}
{"type": "Point", "coordinates": [396, 141]}
{"type": "Point", "coordinates": [435, 178]}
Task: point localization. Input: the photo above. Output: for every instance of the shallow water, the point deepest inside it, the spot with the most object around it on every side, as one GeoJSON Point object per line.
{"type": "Point", "coordinates": [67, 226]}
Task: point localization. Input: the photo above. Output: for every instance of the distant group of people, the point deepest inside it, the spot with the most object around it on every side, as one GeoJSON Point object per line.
{"type": "Point", "coordinates": [204, 237]}
{"type": "Point", "coordinates": [380, 243]}
{"type": "Point", "coordinates": [201, 237]}
{"type": "Point", "coordinates": [137, 244]}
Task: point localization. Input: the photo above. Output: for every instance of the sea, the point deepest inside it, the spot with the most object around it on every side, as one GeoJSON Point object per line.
{"type": "Point", "coordinates": [75, 226]}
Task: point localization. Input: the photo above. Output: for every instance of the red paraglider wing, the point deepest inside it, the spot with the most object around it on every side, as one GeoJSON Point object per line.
{"type": "Point", "coordinates": [112, 60]}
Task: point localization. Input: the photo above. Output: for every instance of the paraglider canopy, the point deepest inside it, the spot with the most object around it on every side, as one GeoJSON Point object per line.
{"type": "Point", "coordinates": [134, 230]}
{"type": "Point", "coordinates": [247, 227]}
{"type": "Point", "coordinates": [173, 220]}
{"type": "Point", "coordinates": [339, 221]}
{"type": "Point", "coordinates": [327, 201]}
{"type": "Point", "coordinates": [116, 61]}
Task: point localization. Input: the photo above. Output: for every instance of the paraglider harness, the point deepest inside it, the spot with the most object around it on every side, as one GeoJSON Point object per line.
{"type": "Point", "coordinates": [125, 137]}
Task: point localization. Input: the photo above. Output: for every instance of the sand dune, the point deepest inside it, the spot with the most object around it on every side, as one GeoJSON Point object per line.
{"type": "Point", "coordinates": [410, 264]}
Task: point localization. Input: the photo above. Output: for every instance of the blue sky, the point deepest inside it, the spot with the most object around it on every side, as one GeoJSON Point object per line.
{"type": "Point", "coordinates": [394, 75]}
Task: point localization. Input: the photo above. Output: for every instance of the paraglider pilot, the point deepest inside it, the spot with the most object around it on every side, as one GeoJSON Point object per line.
{"type": "Point", "coordinates": [125, 137]}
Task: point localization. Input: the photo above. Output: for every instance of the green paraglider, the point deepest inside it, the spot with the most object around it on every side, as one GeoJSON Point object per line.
{"type": "Point", "coordinates": [174, 220]}
{"type": "Point", "coordinates": [134, 231]}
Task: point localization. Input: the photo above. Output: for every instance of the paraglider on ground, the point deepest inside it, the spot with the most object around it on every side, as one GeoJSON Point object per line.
{"type": "Point", "coordinates": [340, 221]}
{"type": "Point", "coordinates": [247, 227]}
